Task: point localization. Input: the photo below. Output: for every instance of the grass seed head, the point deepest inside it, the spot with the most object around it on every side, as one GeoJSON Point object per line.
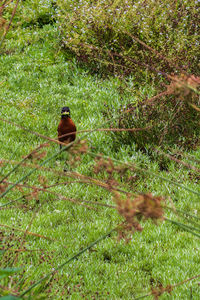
{"type": "Point", "coordinates": [183, 86]}
{"type": "Point", "coordinates": [75, 152]}
{"type": "Point", "coordinates": [144, 206]}
{"type": "Point", "coordinates": [3, 187]}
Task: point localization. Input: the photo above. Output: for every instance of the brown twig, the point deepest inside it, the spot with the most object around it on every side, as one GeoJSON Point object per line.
{"type": "Point", "coordinates": [9, 24]}
{"type": "Point", "coordinates": [76, 201]}
{"type": "Point", "coordinates": [84, 178]}
{"type": "Point", "coordinates": [178, 161]}
{"type": "Point", "coordinates": [155, 52]}
{"type": "Point", "coordinates": [37, 208]}
{"type": "Point", "coordinates": [27, 250]}
{"type": "Point", "coordinates": [27, 232]}
{"type": "Point", "coordinates": [168, 288]}
{"type": "Point", "coordinates": [77, 132]}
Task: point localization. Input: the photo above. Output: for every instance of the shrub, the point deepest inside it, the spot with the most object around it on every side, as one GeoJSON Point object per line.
{"type": "Point", "coordinates": [112, 33]}
{"type": "Point", "coordinates": [172, 119]}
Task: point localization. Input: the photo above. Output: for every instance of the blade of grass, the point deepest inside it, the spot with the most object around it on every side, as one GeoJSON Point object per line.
{"type": "Point", "coordinates": [21, 162]}
{"type": "Point", "coordinates": [185, 227]}
{"type": "Point", "coordinates": [11, 157]}
{"type": "Point", "coordinates": [29, 233]}
{"type": "Point", "coordinates": [182, 212]}
{"type": "Point", "coordinates": [146, 171]}
{"type": "Point", "coordinates": [16, 200]}
{"type": "Point", "coordinates": [178, 161]}
{"type": "Point", "coordinates": [68, 261]}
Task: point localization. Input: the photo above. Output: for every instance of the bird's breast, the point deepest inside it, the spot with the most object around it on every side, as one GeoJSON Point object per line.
{"type": "Point", "coordinates": [66, 126]}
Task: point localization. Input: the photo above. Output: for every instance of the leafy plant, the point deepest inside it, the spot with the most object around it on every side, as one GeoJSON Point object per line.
{"type": "Point", "coordinates": [128, 37]}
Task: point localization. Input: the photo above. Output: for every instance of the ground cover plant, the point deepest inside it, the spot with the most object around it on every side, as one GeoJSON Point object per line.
{"type": "Point", "coordinates": [123, 220]}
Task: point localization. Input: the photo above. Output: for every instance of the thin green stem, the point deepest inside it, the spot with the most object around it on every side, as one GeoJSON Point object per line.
{"type": "Point", "coordinates": [68, 261]}
{"type": "Point", "coordinates": [13, 201]}
{"type": "Point", "coordinates": [185, 227]}
{"type": "Point", "coordinates": [146, 171]}
{"type": "Point", "coordinates": [32, 171]}
{"type": "Point", "coordinates": [176, 210]}
{"type": "Point", "coordinates": [15, 168]}
{"type": "Point", "coordinates": [11, 157]}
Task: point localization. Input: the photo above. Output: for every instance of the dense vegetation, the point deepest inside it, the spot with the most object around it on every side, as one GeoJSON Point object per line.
{"type": "Point", "coordinates": [123, 221]}
{"type": "Point", "coordinates": [116, 33]}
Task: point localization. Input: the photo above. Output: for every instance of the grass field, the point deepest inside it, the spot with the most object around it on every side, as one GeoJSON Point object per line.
{"type": "Point", "coordinates": [36, 81]}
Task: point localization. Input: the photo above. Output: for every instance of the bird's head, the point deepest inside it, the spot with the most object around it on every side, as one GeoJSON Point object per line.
{"type": "Point", "coordinates": [65, 112]}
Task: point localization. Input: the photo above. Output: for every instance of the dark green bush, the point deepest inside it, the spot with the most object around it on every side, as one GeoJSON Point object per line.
{"type": "Point", "coordinates": [102, 33]}
{"type": "Point", "coordinates": [169, 119]}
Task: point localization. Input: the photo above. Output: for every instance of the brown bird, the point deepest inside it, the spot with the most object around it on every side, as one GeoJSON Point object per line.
{"type": "Point", "coordinates": [65, 127]}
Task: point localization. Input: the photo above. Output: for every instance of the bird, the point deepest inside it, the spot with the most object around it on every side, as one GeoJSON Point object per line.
{"type": "Point", "coordinates": [66, 126]}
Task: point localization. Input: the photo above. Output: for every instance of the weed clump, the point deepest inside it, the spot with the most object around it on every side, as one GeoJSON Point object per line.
{"type": "Point", "coordinates": [117, 36]}
{"type": "Point", "coordinates": [133, 209]}
{"type": "Point", "coordinates": [171, 117]}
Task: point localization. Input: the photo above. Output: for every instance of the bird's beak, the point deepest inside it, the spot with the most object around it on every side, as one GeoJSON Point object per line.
{"type": "Point", "coordinates": [65, 113]}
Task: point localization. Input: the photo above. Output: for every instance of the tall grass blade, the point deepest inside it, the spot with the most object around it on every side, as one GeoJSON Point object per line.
{"type": "Point", "coordinates": [68, 261]}
{"type": "Point", "coordinates": [146, 171]}
{"type": "Point", "coordinates": [6, 164]}
{"type": "Point", "coordinates": [35, 169]}
{"type": "Point", "coordinates": [190, 229]}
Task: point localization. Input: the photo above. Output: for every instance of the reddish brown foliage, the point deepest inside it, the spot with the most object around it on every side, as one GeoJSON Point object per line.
{"type": "Point", "coordinates": [34, 195]}
{"type": "Point", "coordinates": [158, 291]}
{"type": "Point", "coordinates": [3, 187]}
{"type": "Point", "coordinates": [35, 154]}
{"type": "Point", "coordinates": [107, 165]}
{"type": "Point", "coordinates": [42, 180]}
{"type": "Point", "coordinates": [183, 85]}
{"type": "Point", "coordinates": [76, 151]}
{"type": "Point", "coordinates": [132, 210]}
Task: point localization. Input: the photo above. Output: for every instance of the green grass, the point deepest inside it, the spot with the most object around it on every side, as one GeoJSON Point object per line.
{"type": "Point", "coordinates": [38, 81]}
